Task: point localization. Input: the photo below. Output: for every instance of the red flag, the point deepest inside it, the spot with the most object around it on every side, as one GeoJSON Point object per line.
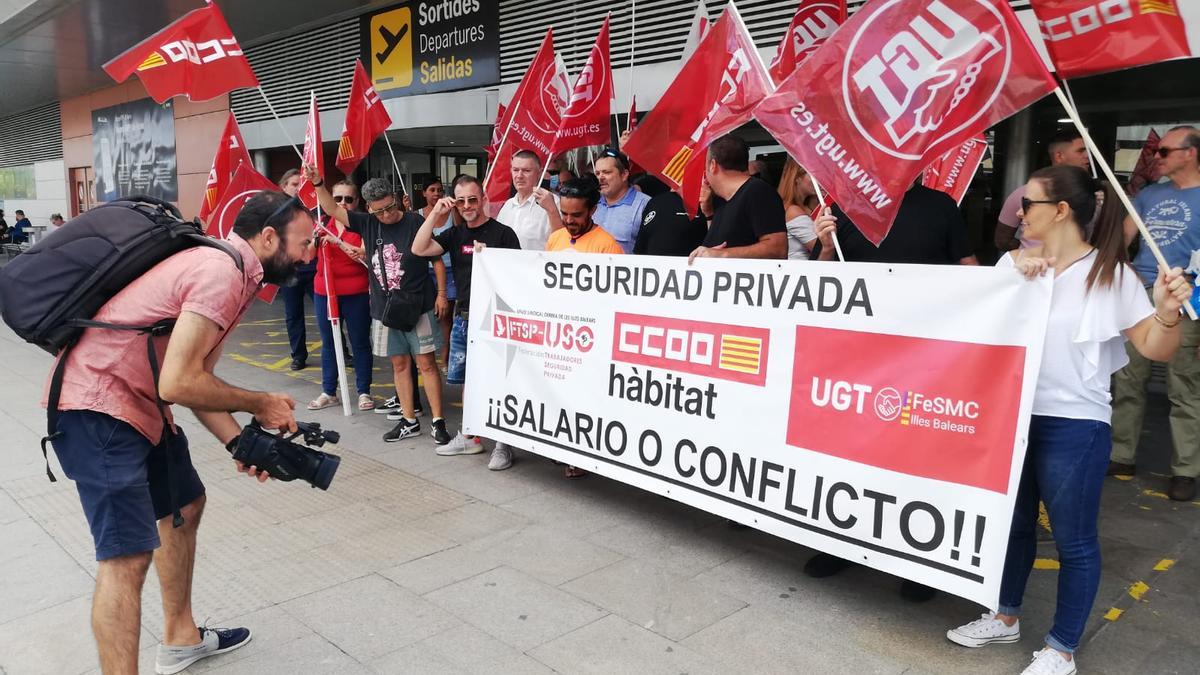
{"type": "Point", "coordinates": [814, 22]}
{"type": "Point", "coordinates": [631, 124]}
{"type": "Point", "coordinates": [1086, 37]}
{"type": "Point", "coordinates": [246, 183]}
{"type": "Point", "coordinates": [366, 118]}
{"type": "Point", "coordinates": [497, 133]}
{"type": "Point", "coordinates": [312, 153]}
{"type": "Point", "coordinates": [231, 152]}
{"type": "Point", "coordinates": [331, 297]}
{"type": "Point", "coordinates": [696, 30]}
{"type": "Point", "coordinates": [531, 120]}
{"type": "Point", "coordinates": [1147, 170]}
{"type": "Point", "coordinates": [693, 181]}
{"type": "Point", "coordinates": [952, 172]}
{"type": "Point", "coordinates": [196, 56]}
{"type": "Point", "coordinates": [900, 84]}
{"type": "Point", "coordinates": [714, 93]}
{"type": "Point", "coordinates": [585, 119]}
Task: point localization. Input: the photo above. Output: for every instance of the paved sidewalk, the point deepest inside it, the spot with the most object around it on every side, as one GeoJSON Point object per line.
{"type": "Point", "coordinates": [414, 563]}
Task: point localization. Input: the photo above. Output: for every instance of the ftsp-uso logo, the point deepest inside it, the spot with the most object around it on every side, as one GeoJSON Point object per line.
{"type": "Point", "coordinates": [937, 75]}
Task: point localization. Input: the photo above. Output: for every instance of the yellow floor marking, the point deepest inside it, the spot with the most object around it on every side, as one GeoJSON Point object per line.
{"type": "Point", "coordinates": [264, 344]}
{"type": "Point", "coordinates": [1137, 590]}
{"type": "Point", "coordinates": [1045, 564]}
{"type": "Point", "coordinates": [1155, 493]}
{"type": "Point", "coordinates": [1164, 565]}
{"type": "Point", "coordinates": [1113, 614]}
{"type": "Point", "coordinates": [1043, 517]}
{"type": "Point", "coordinates": [1145, 508]}
{"type": "Point", "coordinates": [1126, 478]}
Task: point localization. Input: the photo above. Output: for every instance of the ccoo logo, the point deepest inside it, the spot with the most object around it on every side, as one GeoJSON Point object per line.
{"type": "Point", "coordinates": [929, 80]}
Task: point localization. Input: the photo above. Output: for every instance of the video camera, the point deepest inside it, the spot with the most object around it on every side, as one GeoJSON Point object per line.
{"type": "Point", "coordinates": [285, 460]}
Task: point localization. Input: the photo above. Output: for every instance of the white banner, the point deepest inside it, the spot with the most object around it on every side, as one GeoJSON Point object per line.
{"type": "Point", "coordinates": [876, 412]}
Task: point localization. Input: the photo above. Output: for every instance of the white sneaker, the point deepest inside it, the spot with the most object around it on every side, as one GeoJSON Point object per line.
{"type": "Point", "coordinates": [1050, 662]}
{"type": "Point", "coordinates": [460, 445]}
{"type": "Point", "coordinates": [501, 459]}
{"type": "Point", "coordinates": [984, 631]}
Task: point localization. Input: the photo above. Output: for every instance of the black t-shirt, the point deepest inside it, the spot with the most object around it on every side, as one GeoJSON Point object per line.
{"type": "Point", "coordinates": [393, 243]}
{"type": "Point", "coordinates": [666, 228]}
{"type": "Point", "coordinates": [753, 211]}
{"type": "Point", "coordinates": [929, 230]}
{"type": "Point", "coordinates": [459, 242]}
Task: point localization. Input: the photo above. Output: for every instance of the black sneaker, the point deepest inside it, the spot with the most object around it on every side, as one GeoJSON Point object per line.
{"type": "Point", "coordinates": [299, 364]}
{"type": "Point", "coordinates": [390, 405]}
{"type": "Point", "coordinates": [439, 433]}
{"type": "Point", "coordinates": [405, 429]}
{"type": "Point", "coordinates": [213, 641]}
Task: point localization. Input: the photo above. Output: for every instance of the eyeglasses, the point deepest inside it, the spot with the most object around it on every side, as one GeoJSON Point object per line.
{"type": "Point", "coordinates": [466, 200]}
{"type": "Point", "coordinates": [1166, 152]}
{"type": "Point", "coordinates": [345, 199]}
{"type": "Point", "coordinates": [389, 207]}
{"type": "Point", "coordinates": [1026, 202]}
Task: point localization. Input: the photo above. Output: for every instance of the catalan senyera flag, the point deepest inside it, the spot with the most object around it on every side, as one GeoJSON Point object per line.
{"type": "Point", "coordinates": [231, 153]}
{"type": "Point", "coordinates": [366, 118]}
{"type": "Point", "coordinates": [312, 153]}
{"type": "Point", "coordinates": [741, 354]}
{"type": "Point", "coordinates": [196, 56]}
{"type": "Point", "coordinates": [715, 92]}
{"type": "Point", "coordinates": [1088, 37]}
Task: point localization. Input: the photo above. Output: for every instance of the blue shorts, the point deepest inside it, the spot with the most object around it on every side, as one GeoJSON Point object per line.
{"type": "Point", "coordinates": [456, 366]}
{"type": "Point", "coordinates": [122, 480]}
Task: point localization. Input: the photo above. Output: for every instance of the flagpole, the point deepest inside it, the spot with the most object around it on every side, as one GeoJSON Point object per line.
{"type": "Point", "coordinates": [632, 44]}
{"type": "Point", "coordinates": [395, 164]}
{"type": "Point", "coordinates": [1071, 98]}
{"type": "Point", "coordinates": [1116, 186]}
{"type": "Point", "coordinates": [278, 121]}
{"type": "Point", "coordinates": [335, 324]}
{"type": "Point", "coordinates": [837, 246]}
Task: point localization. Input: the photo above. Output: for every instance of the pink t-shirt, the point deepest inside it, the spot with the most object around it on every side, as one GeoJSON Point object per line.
{"type": "Point", "coordinates": [108, 371]}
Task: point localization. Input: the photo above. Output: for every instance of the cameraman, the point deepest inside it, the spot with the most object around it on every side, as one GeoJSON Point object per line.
{"type": "Point", "coordinates": [112, 441]}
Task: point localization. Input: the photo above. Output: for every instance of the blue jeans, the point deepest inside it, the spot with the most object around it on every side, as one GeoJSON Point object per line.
{"type": "Point", "coordinates": [293, 312]}
{"type": "Point", "coordinates": [356, 314]}
{"type": "Point", "coordinates": [1064, 469]}
{"type": "Point", "coordinates": [456, 365]}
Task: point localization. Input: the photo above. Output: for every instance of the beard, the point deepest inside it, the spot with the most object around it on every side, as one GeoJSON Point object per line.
{"type": "Point", "coordinates": [279, 269]}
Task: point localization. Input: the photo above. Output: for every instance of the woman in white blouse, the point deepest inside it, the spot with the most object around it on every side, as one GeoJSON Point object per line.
{"type": "Point", "coordinates": [1098, 303]}
{"type": "Point", "coordinates": [800, 199]}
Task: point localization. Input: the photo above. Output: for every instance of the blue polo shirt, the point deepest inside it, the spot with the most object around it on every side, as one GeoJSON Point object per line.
{"type": "Point", "coordinates": [623, 219]}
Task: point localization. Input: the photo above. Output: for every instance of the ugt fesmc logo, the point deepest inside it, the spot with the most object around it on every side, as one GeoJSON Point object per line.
{"type": "Point", "coordinates": [928, 81]}
{"type": "Point", "coordinates": [735, 353]}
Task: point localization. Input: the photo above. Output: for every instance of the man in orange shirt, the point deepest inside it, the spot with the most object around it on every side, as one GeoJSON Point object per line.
{"type": "Point", "coordinates": [577, 204]}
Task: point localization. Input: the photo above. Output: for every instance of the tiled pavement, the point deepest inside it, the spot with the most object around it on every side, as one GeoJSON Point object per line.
{"type": "Point", "coordinates": [414, 563]}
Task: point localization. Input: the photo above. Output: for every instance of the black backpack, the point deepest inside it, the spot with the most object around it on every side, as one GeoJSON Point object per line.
{"type": "Point", "coordinates": [49, 294]}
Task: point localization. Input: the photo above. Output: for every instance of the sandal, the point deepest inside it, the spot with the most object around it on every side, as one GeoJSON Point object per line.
{"type": "Point", "coordinates": [574, 473]}
{"type": "Point", "coordinates": [323, 401]}
{"type": "Point", "coordinates": [365, 402]}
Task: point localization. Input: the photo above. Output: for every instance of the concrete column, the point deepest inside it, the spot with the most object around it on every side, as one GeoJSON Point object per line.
{"type": "Point", "coordinates": [1018, 163]}
{"type": "Point", "coordinates": [261, 164]}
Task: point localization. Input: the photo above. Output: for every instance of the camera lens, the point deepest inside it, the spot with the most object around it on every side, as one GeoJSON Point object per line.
{"type": "Point", "coordinates": [323, 476]}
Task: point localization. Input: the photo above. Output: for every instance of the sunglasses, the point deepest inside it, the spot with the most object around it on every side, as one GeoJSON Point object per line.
{"type": "Point", "coordinates": [615, 154]}
{"type": "Point", "coordinates": [1166, 152]}
{"type": "Point", "coordinates": [344, 199]}
{"type": "Point", "coordinates": [1026, 202]}
{"type": "Point", "coordinates": [466, 200]}
{"type": "Point", "coordinates": [389, 207]}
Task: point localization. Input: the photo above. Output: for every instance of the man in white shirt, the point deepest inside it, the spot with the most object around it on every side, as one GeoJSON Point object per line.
{"type": "Point", "coordinates": [533, 212]}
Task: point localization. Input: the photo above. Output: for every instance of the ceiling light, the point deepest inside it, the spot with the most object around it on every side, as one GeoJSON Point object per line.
{"type": "Point", "coordinates": [1064, 120]}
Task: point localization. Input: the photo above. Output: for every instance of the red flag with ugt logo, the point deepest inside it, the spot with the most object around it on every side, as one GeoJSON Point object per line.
{"type": "Point", "coordinates": [366, 118]}
{"type": "Point", "coordinates": [246, 183]}
{"type": "Point", "coordinates": [497, 133]}
{"type": "Point", "coordinates": [813, 23]}
{"type": "Point", "coordinates": [312, 153]}
{"type": "Point", "coordinates": [531, 120]}
{"type": "Point", "coordinates": [952, 172]}
{"type": "Point", "coordinates": [896, 87]}
{"type": "Point", "coordinates": [585, 119]}
{"type": "Point", "coordinates": [1086, 37]}
{"type": "Point", "coordinates": [231, 153]}
{"type": "Point", "coordinates": [714, 93]}
{"type": "Point", "coordinates": [196, 56]}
